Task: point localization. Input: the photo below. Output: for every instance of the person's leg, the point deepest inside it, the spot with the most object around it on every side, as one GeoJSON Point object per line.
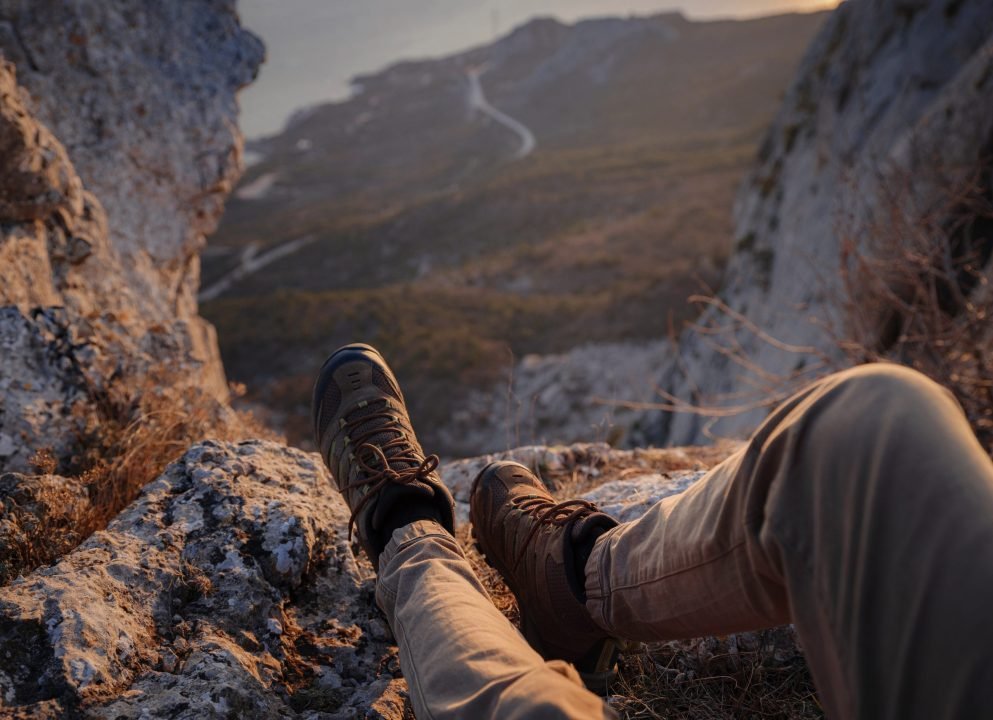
{"type": "Point", "coordinates": [462, 658]}
{"type": "Point", "coordinates": [862, 510]}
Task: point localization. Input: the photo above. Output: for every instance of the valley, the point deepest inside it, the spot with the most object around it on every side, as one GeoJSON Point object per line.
{"type": "Point", "coordinates": [565, 186]}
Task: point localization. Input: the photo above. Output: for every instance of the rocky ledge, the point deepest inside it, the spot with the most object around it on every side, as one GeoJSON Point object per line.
{"type": "Point", "coordinates": [229, 588]}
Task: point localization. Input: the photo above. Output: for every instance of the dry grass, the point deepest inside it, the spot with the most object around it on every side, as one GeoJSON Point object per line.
{"type": "Point", "coordinates": [137, 433]}
{"type": "Point", "coordinates": [918, 292]}
{"type": "Point", "coordinates": [195, 579]}
{"type": "Point", "coordinates": [142, 434]}
{"type": "Point", "coordinates": [916, 288]}
{"type": "Point", "coordinates": [41, 518]}
{"type": "Point", "coordinates": [748, 675]}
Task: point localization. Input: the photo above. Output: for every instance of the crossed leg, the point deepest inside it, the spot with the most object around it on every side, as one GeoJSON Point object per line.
{"type": "Point", "coordinates": [462, 658]}
{"type": "Point", "coordinates": [862, 510]}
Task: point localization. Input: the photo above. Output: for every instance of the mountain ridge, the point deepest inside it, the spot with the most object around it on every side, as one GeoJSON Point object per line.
{"type": "Point", "coordinates": [598, 235]}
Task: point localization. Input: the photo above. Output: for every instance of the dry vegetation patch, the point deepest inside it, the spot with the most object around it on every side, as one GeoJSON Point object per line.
{"type": "Point", "coordinates": [41, 518]}
{"type": "Point", "coordinates": [139, 431]}
{"type": "Point", "coordinates": [913, 286]}
{"type": "Point", "coordinates": [747, 675]}
{"type": "Point", "coordinates": [918, 292]}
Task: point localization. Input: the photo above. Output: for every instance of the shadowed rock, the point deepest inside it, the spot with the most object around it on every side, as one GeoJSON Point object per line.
{"type": "Point", "coordinates": [119, 143]}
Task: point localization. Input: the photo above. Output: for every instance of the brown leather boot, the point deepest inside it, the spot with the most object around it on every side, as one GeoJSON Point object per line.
{"type": "Point", "coordinates": [366, 439]}
{"type": "Point", "coordinates": [532, 541]}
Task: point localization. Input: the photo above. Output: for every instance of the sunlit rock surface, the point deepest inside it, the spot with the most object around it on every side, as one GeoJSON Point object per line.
{"type": "Point", "coordinates": [227, 588]}
{"type": "Point", "coordinates": [893, 99]}
{"type": "Point", "coordinates": [118, 126]}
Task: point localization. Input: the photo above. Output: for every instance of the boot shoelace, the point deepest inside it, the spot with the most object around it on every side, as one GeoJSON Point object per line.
{"type": "Point", "coordinates": [548, 512]}
{"type": "Point", "coordinates": [377, 468]}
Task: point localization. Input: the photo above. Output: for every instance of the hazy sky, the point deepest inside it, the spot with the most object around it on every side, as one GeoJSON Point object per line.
{"type": "Point", "coordinates": [314, 47]}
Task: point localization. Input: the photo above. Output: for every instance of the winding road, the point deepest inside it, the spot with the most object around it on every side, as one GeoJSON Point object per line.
{"type": "Point", "coordinates": [478, 101]}
{"type": "Point", "coordinates": [250, 263]}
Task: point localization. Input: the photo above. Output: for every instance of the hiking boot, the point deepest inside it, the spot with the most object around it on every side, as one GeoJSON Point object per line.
{"type": "Point", "coordinates": [364, 434]}
{"type": "Point", "coordinates": [540, 546]}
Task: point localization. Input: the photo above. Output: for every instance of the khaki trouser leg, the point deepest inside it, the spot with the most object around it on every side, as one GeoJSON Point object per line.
{"type": "Point", "coordinates": [862, 510]}
{"type": "Point", "coordinates": [461, 657]}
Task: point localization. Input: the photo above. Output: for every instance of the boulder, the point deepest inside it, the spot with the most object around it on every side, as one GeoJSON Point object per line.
{"type": "Point", "coordinates": [228, 587]}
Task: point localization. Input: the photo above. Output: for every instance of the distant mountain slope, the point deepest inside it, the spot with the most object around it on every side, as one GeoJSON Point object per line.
{"type": "Point", "coordinates": [656, 79]}
{"type": "Point", "coordinates": [316, 46]}
{"type": "Point", "coordinates": [600, 83]}
{"type": "Point", "coordinates": [410, 204]}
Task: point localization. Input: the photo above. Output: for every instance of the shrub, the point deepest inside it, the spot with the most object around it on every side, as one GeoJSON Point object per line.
{"type": "Point", "coordinates": [917, 291]}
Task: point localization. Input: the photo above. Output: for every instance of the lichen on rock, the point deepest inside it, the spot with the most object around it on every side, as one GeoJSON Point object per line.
{"type": "Point", "coordinates": [228, 586]}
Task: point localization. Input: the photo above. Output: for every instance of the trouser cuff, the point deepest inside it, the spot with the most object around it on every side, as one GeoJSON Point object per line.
{"type": "Point", "coordinates": [598, 578]}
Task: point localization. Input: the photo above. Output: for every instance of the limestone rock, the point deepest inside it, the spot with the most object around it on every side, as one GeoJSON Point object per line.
{"type": "Point", "coordinates": [629, 499]}
{"type": "Point", "coordinates": [228, 587]}
{"type": "Point", "coordinates": [894, 97]}
{"type": "Point", "coordinates": [36, 177]}
{"type": "Point", "coordinates": [120, 143]}
{"type": "Point", "coordinates": [39, 387]}
{"type": "Point", "coordinates": [153, 89]}
{"type": "Point", "coordinates": [627, 482]}
{"type": "Point", "coordinates": [578, 396]}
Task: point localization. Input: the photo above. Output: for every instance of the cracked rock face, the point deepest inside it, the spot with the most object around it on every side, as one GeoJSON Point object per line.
{"type": "Point", "coordinates": [120, 143]}
{"type": "Point", "coordinates": [227, 589]}
{"type": "Point", "coordinates": [152, 87]}
{"type": "Point", "coordinates": [893, 97]}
